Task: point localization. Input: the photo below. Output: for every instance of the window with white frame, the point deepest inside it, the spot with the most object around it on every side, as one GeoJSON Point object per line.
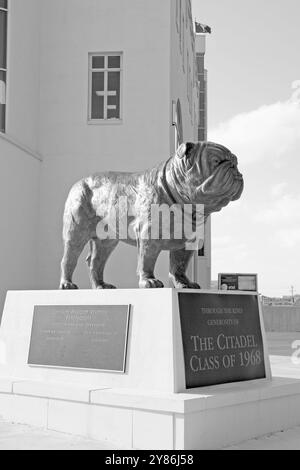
{"type": "Point", "coordinates": [3, 62]}
{"type": "Point", "coordinates": [105, 84]}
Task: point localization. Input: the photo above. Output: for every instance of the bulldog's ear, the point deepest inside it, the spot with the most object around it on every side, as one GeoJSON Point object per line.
{"type": "Point", "coordinates": [184, 150]}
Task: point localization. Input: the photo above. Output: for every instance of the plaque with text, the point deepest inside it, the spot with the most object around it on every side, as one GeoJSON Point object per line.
{"type": "Point", "coordinates": [81, 337]}
{"type": "Point", "coordinates": [242, 282]}
{"type": "Point", "coordinates": [222, 338]}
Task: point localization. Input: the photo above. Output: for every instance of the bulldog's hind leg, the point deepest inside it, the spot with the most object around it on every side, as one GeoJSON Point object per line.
{"type": "Point", "coordinates": [147, 257]}
{"type": "Point", "coordinates": [100, 252]}
{"type": "Point", "coordinates": [77, 232]}
{"type": "Point", "coordinates": [72, 250]}
{"type": "Point", "coordinates": [179, 261]}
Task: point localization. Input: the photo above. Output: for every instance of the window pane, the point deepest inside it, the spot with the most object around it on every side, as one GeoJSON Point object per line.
{"type": "Point", "coordinates": [3, 40]}
{"type": "Point", "coordinates": [2, 100]}
{"type": "Point", "coordinates": [98, 62]}
{"type": "Point", "coordinates": [3, 3]}
{"type": "Point", "coordinates": [97, 95]}
{"type": "Point", "coordinates": [114, 62]}
{"type": "Point", "coordinates": [113, 111]}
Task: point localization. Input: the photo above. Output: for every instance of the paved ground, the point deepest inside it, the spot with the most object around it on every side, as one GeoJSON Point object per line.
{"type": "Point", "coordinates": [287, 440]}
{"type": "Point", "coordinates": [281, 348]}
{"type": "Point", "coordinates": [19, 437]}
{"type": "Point", "coordinates": [280, 344]}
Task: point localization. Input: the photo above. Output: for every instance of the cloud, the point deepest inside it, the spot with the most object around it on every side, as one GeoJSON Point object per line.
{"type": "Point", "coordinates": [278, 189]}
{"type": "Point", "coordinates": [289, 238]}
{"type": "Point", "coordinates": [296, 94]}
{"type": "Point", "coordinates": [270, 132]}
{"type": "Point", "coordinates": [262, 232]}
{"type": "Point", "coordinates": [283, 210]}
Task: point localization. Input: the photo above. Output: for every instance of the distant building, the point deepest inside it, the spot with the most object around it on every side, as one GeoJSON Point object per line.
{"type": "Point", "coordinates": [86, 87]}
{"type": "Point", "coordinates": [277, 301]}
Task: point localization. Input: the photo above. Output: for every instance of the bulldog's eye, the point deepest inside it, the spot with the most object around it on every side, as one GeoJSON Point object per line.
{"type": "Point", "coordinates": [215, 162]}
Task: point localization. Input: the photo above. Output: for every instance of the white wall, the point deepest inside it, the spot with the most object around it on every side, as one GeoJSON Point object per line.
{"type": "Point", "coordinates": [23, 71]}
{"type": "Point", "coordinates": [19, 196]}
{"type": "Point", "coordinates": [49, 42]}
{"type": "Point", "coordinates": [71, 148]}
{"type": "Point", "coordinates": [20, 170]}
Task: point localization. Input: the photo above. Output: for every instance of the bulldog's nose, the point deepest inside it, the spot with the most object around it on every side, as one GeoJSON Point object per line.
{"type": "Point", "coordinates": [234, 160]}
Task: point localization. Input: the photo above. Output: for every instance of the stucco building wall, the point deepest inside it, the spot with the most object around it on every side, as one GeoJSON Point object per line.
{"type": "Point", "coordinates": [49, 143]}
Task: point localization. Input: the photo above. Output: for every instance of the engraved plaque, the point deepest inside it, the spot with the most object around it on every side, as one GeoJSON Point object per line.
{"type": "Point", "coordinates": [81, 337]}
{"type": "Point", "coordinates": [222, 338]}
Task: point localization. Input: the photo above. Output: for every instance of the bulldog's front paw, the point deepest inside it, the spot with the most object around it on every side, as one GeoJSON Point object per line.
{"type": "Point", "coordinates": [192, 285]}
{"type": "Point", "coordinates": [66, 285]}
{"type": "Point", "coordinates": [104, 285]}
{"type": "Point", "coordinates": [150, 283]}
{"type": "Point", "coordinates": [183, 282]}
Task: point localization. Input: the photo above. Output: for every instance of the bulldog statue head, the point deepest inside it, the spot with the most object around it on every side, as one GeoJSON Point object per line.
{"type": "Point", "coordinates": [206, 173]}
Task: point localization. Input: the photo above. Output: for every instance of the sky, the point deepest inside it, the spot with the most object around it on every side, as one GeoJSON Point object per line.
{"type": "Point", "coordinates": [253, 62]}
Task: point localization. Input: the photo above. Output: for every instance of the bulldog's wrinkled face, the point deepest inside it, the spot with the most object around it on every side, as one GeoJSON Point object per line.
{"type": "Point", "coordinates": [209, 174]}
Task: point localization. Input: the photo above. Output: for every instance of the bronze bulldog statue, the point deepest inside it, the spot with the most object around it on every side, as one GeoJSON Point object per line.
{"type": "Point", "coordinates": [203, 174]}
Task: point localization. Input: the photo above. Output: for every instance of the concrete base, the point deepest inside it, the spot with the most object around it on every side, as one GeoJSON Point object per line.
{"type": "Point", "coordinates": [208, 419]}
{"type": "Point", "coordinates": [146, 408]}
{"type": "Point", "coordinates": [154, 338]}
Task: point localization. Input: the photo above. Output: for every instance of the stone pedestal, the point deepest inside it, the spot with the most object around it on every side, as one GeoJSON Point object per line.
{"type": "Point", "coordinates": [148, 407]}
